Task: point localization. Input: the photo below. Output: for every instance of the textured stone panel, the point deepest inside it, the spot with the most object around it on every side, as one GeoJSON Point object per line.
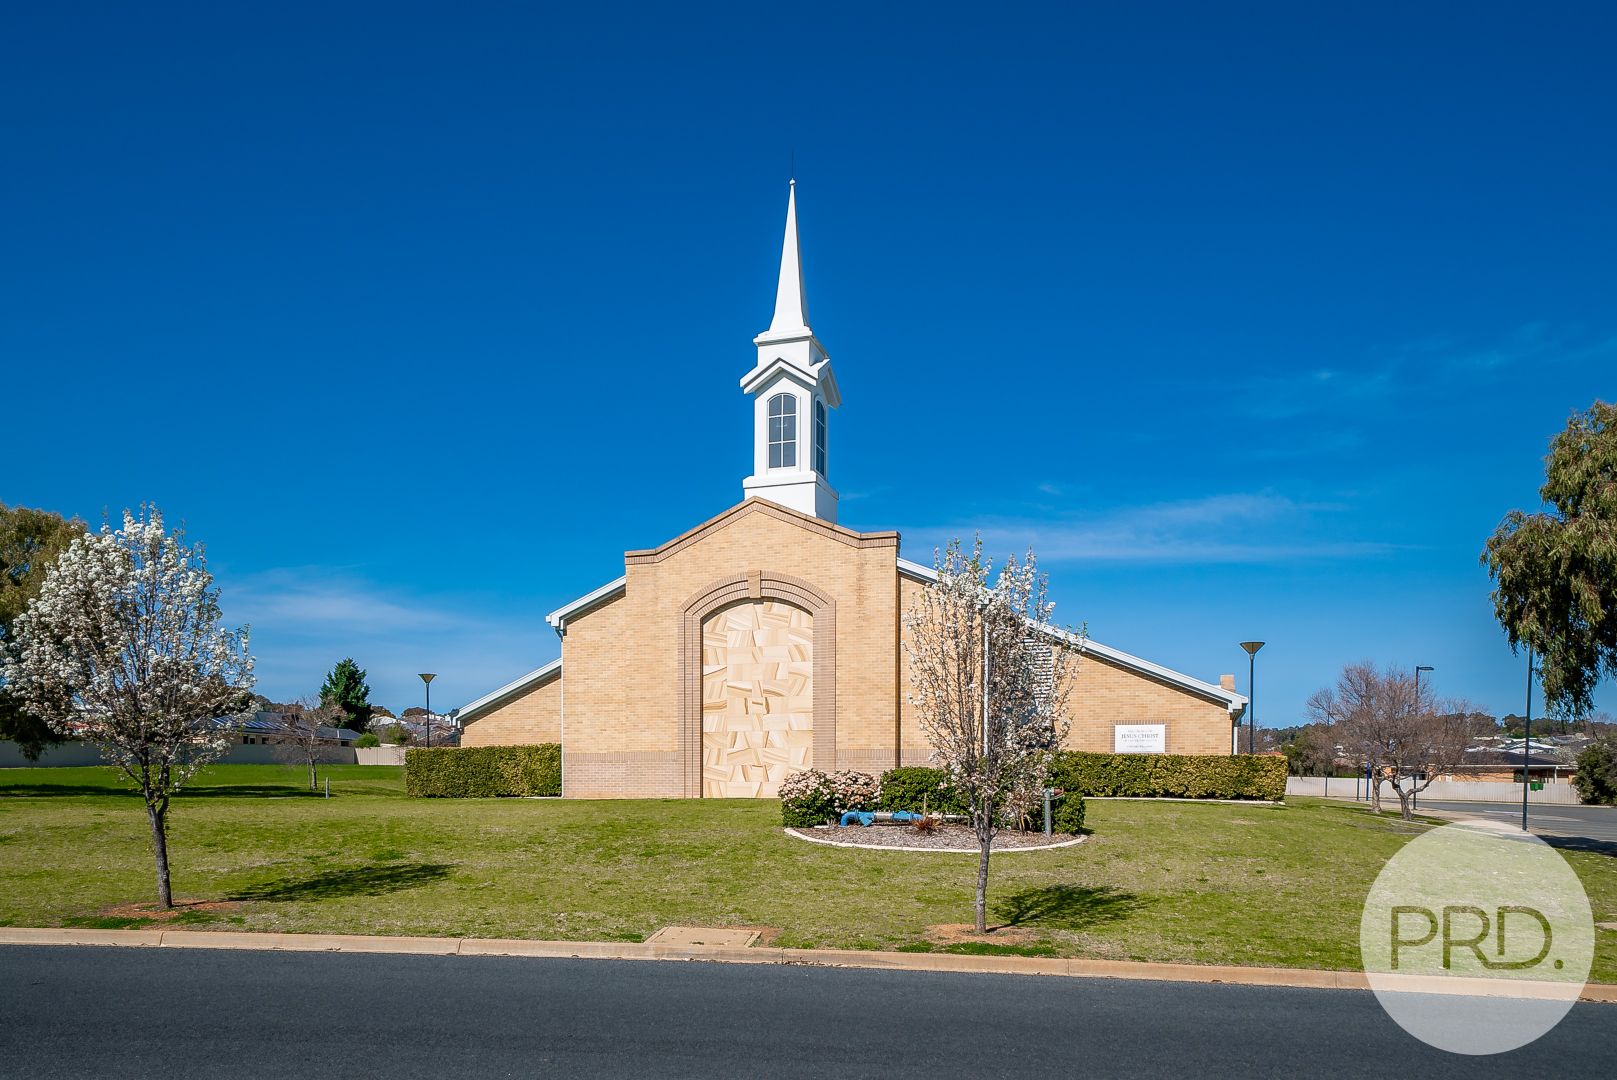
{"type": "Point", "coordinates": [757, 698]}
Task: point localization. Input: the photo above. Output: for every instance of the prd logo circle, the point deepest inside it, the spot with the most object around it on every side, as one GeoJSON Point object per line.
{"type": "Point", "coordinates": [1477, 938]}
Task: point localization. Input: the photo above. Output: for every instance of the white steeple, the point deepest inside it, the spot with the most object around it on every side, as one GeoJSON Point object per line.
{"type": "Point", "coordinates": [791, 305]}
{"type": "Point", "coordinates": [793, 391]}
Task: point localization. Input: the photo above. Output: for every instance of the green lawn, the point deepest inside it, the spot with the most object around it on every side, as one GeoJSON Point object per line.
{"type": "Point", "coordinates": [1201, 883]}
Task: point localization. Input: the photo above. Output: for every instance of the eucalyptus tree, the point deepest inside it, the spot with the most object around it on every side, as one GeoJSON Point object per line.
{"type": "Point", "coordinates": [1555, 570]}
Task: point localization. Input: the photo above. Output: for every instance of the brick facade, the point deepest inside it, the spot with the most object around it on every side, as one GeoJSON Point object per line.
{"type": "Point", "coordinates": [629, 716]}
{"type": "Point", "coordinates": [532, 716]}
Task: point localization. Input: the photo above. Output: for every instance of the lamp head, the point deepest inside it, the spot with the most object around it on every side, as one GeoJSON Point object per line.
{"type": "Point", "coordinates": [1252, 647]}
{"type": "Point", "coordinates": [428, 676]}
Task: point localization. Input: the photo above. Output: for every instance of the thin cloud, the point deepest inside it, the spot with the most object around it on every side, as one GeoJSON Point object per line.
{"type": "Point", "coordinates": [1249, 527]}
{"type": "Point", "coordinates": [305, 620]}
{"type": "Point", "coordinates": [1413, 365]}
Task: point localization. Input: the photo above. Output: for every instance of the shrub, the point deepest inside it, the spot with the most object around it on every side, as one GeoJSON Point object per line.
{"type": "Point", "coordinates": [1596, 778]}
{"type": "Point", "coordinates": [368, 740]}
{"type": "Point", "coordinates": [1066, 813]}
{"type": "Point", "coordinates": [812, 797]}
{"type": "Point", "coordinates": [1170, 775]}
{"type": "Point", "coordinates": [481, 772]}
{"type": "Point", "coordinates": [917, 788]}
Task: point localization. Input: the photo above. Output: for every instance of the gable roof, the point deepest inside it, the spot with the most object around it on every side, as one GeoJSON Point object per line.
{"type": "Point", "coordinates": [756, 505]}
{"type": "Point", "coordinates": [509, 690]}
{"type": "Point", "coordinates": [1234, 702]}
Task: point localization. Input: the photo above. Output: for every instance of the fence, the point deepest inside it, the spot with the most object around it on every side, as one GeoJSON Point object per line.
{"type": "Point", "coordinates": [1556, 792]}
{"type": "Point", "coordinates": [70, 754]}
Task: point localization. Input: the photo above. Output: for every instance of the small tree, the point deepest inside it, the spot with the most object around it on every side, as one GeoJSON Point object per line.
{"type": "Point", "coordinates": [345, 690]}
{"type": "Point", "coordinates": [123, 648]}
{"type": "Point", "coordinates": [299, 735]}
{"type": "Point", "coordinates": [988, 677]}
{"type": "Point", "coordinates": [1397, 734]}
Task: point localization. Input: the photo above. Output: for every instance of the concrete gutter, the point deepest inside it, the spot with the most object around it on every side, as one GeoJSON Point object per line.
{"type": "Point", "coordinates": [724, 954]}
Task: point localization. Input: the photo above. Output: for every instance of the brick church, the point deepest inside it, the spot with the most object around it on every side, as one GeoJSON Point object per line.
{"type": "Point", "coordinates": [770, 639]}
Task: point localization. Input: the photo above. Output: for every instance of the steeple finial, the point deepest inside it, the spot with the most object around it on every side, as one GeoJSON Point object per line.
{"type": "Point", "coordinates": [791, 305]}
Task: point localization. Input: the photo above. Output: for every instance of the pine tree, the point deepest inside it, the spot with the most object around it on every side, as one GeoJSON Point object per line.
{"type": "Point", "coordinates": [345, 690]}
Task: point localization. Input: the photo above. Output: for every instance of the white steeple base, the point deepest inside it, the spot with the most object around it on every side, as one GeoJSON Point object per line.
{"type": "Point", "coordinates": [803, 491]}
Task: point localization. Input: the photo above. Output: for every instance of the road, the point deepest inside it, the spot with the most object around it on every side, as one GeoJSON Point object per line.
{"type": "Point", "coordinates": [1585, 828]}
{"type": "Point", "coordinates": [132, 1013]}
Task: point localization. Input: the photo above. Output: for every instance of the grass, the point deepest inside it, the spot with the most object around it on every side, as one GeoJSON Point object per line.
{"type": "Point", "coordinates": [1180, 882]}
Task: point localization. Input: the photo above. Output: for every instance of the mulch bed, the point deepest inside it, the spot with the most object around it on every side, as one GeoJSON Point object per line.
{"type": "Point", "coordinates": [943, 838]}
{"type": "Point", "coordinates": [157, 914]}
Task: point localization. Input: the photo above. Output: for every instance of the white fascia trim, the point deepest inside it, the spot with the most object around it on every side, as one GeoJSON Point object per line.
{"type": "Point", "coordinates": [917, 571]}
{"type": "Point", "coordinates": [610, 591]}
{"type": "Point", "coordinates": [1236, 703]}
{"type": "Point", "coordinates": [494, 697]}
{"type": "Point", "coordinates": [758, 376]}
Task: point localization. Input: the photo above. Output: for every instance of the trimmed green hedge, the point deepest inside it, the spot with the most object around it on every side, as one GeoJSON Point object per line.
{"type": "Point", "coordinates": [481, 772]}
{"type": "Point", "coordinates": [1066, 814]}
{"type": "Point", "coordinates": [1181, 776]}
{"type": "Point", "coordinates": [915, 787]}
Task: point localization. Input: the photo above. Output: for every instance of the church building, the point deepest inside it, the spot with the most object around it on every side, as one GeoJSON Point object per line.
{"type": "Point", "coordinates": [769, 639]}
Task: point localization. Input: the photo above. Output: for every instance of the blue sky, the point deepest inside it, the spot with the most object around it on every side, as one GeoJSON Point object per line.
{"type": "Point", "coordinates": [1252, 319]}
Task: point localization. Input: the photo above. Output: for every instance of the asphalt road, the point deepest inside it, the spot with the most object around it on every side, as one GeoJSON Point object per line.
{"type": "Point", "coordinates": [132, 1013]}
{"type": "Point", "coordinates": [1592, 828]}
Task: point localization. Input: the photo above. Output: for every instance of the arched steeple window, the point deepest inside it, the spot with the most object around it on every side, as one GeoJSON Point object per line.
{"type": "Point", "coordinates": [819, 436]}
{"type": "Point", "coordinates": [783, 431]}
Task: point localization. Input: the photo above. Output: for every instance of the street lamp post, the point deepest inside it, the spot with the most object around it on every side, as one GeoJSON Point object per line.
{"type": "Point", "coordinates": [1251, 648]}
{"type": "Point", "coordinates": [426, 679]}
{"type": "Point", "coordinates": [1527, 736]}
{"type": "Point", "coordinates": [1418, 669]}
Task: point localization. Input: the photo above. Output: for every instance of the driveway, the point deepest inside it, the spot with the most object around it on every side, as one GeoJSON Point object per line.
{"type": "Point", "coordinates": [1575, 828]}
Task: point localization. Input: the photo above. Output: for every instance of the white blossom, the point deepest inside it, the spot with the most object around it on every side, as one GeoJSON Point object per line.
{"type": "Point", "coordinates": [123, 648]}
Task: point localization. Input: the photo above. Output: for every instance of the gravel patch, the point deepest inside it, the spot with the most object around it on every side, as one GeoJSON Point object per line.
{"type": "Point", "coordinates": [943, 838]}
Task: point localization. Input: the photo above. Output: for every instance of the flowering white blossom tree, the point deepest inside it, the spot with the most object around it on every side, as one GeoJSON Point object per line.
{"type": "Point", "coordinates": [994, 734]}
{"type": "Point", "coordinates": [123, 648]}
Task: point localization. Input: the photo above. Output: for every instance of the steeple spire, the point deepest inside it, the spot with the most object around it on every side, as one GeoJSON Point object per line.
{"type": "Point", "coordinates": [791, 305]}
{"type": "Point", "coordinates": [792, 389]}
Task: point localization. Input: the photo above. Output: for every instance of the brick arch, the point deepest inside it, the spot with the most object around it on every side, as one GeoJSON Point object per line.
{"type": "Point", "coordinates": [759, 585]}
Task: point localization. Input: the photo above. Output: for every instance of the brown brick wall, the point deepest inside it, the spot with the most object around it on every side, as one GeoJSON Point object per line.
{"type": "Point", "coordinates": [623, 660]}
{"type": "Point", "coordinates": [534, 716]}
{"type": "Point", "coordinates": [1101, 695]}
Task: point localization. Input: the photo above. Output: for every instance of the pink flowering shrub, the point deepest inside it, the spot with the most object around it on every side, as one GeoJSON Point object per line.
{"type": "Point", "coordinates": [812, 797]}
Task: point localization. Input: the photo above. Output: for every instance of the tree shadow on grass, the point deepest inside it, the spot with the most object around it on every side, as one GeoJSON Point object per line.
{"type": "Point", "coordinates": [248, 791]}
{"type": "Point", "coordinates": [1588, 844]}
{"type": "Point", "coordinates": [355, 881]}
{"type": "Point", "coordinates": [1065, 907]}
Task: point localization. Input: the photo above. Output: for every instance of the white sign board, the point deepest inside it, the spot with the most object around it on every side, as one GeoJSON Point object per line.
{"type": "Point", "coordinates": [1139, 738]}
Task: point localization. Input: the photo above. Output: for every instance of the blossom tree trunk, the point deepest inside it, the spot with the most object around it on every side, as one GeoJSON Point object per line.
{"type": "Point", "coordinates": [123, 648]}
{"type": "Point", "coordinates": [988, 671]}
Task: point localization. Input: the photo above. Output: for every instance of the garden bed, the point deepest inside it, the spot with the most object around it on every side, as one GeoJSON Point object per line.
{"type": "Point", "coordinates": [942, 838]}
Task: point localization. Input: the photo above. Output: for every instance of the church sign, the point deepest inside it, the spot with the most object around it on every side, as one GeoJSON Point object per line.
{"type": "Point", "coordinates": [1139, 738]}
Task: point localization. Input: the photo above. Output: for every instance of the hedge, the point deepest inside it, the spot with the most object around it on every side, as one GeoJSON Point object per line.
{"type": "Point", "coordinates": [1171, 775]}
{"type": "Point", "coordinates": [916, 787]}
{"type": "Point", "coordinates": [481, 772]}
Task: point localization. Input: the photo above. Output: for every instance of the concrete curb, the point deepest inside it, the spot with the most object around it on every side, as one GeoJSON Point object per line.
{"type": "Point", "coordinates": [803, 834]}
{"type": "Point", "coordinates": [725, 954]}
